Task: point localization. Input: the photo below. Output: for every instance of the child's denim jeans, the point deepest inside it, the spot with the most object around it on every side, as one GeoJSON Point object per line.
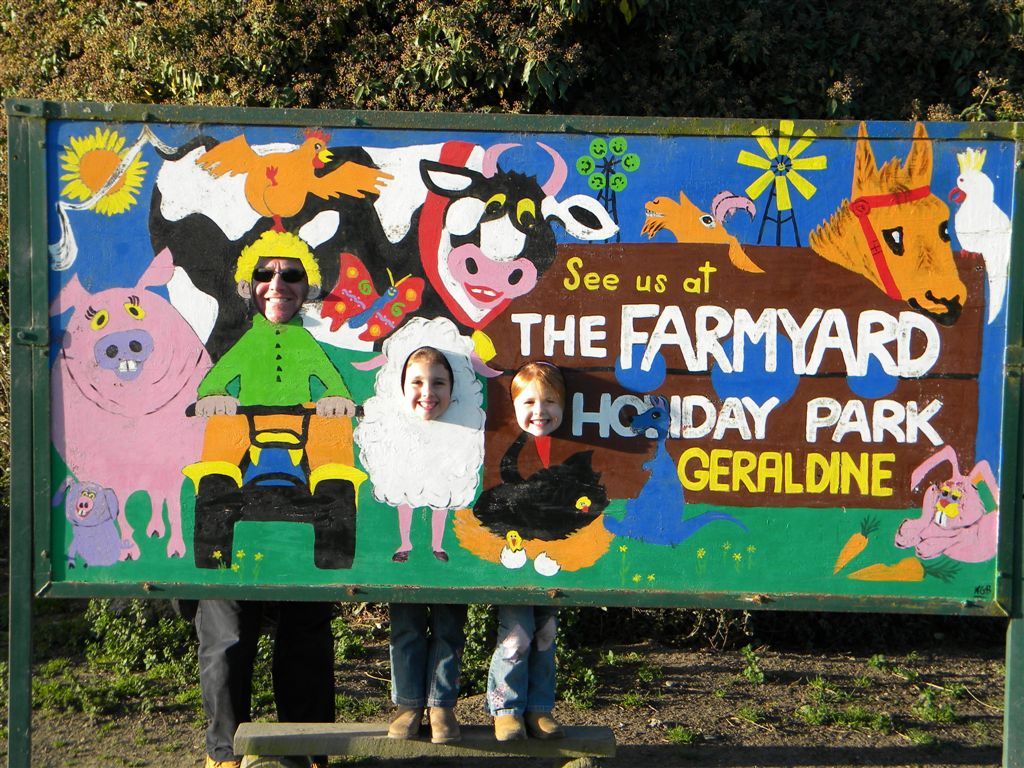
{"type": "Point", "coordinates": [425, 668]}
{"type": "Point", "coordinates": [522, 673]}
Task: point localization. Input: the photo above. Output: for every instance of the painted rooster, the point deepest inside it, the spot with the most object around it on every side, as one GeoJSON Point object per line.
{"type": "Point", "coordinates": [981, 226]}
{"type": "Point", "coordinates": [277, 183]}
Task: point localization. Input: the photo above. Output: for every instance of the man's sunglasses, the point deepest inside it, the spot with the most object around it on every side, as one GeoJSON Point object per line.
{"type": "Point", "coordinates": [290, 275]}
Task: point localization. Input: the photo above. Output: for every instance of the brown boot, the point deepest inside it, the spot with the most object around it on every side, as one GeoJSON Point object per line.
{"type": "Point", "coordinates": [406, 723]}
{"type": "Point", "coordinates": [509, 728]}
{"type": "Point", "coordinates": [541, 725]}
{"type": "Point", "coordinates": [444, 728]}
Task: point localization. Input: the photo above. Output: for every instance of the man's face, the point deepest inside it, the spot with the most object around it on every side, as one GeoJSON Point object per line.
{"type": "Point", "coordinates": [279, 287]}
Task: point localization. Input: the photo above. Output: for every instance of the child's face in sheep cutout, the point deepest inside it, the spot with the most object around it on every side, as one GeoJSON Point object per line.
{"type": "Point", "coordinates": [538, 409]}
{"type": "Point", "coordinates": [428, 389]}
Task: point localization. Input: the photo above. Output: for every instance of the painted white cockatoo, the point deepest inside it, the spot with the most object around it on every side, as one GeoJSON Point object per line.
{"type": "Point", "coordinates": [980, 225]}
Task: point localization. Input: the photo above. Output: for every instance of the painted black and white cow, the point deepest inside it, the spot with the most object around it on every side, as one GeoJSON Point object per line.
{"type": "Point", "coordinates": [478, 234]}
{"type": "Point", "coordinates": [483, 236]}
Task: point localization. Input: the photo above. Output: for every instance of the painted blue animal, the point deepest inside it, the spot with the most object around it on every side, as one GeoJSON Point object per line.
{"type": "Point", "coordinates": [657, 514]}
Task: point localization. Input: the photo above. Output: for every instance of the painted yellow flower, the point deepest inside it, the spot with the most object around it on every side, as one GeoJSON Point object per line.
{"type": "Point", "coordinates": [726, 546]}
{"type": "Point", "coordinates": [234, 567]}
{"type": "Point", "coordinates": [751, 549]}
{"type": "Point", "coordinates": [623, 548]}
{"type": "Point", "coordinates": [258, 556]}
{"type": "Point", "coordinates": [737, 556]}
{"type": "Point", "coordinates": [217, 554]}
{"type": "Point", "coordinates": [91, 161]}
{"type": "Point", "coordinates": [650, 577]}
{"type": "Point", "coordinates": [240, 554]}
{"type": "Point", "coordinates": [636, 578]}
{"type": "Point", "coordinates": [700, 553]}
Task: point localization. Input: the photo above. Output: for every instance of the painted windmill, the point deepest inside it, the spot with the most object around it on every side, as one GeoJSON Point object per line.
{"type": "Point", "coordinates": [605, 166]}
{"type": "Point", "coordinates": [781, 166]}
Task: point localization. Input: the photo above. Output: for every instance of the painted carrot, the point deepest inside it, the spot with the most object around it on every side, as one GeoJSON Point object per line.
{"type": "Point", "coordinates": [907, 569]}
{"type": "Point", "coordinates": [855, 544]}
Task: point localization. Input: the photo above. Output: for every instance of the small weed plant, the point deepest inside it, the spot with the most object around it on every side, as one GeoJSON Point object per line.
{"type": "Point", "coordinates": [349, 708]}
{"type": "Point", "coordinates": [827, 704]}
{"type": "Point", "coordinates": [649, 673]}
{"type": "Point", "coordinates": [348, 644]}
{"type": "Point", "coordinates": [633, 700]}
{"type": "Point", "coordinates": [932, 707]}
{"type": "Point", "coordinates": [824, 691]}
{"type": "Point", "coordinates": [879, 662]}
{"type": "Point", "coordinates": [750, 713]}
{"type": "Point", "coordinates": [751, 666]}
{"type": "Point", "coordinates": [680, 734]}
{"type": "Point", "coordinates": [919, 737]}
{"type": "Point", "coordinates": [577, 681]}
{"type": "Point", "coordinates": [613, 659]}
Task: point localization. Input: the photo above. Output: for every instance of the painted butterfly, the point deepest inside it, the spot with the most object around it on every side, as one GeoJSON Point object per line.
{"type": "Point", "coordinates": [355, 302]}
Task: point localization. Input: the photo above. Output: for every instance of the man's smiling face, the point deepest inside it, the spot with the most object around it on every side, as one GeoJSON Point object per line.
{"type": "Point", "coordinates": [279, 287]}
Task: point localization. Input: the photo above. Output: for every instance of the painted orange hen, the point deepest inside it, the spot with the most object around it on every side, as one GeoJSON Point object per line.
{"type": "Point", "coordinates": [277, 183]}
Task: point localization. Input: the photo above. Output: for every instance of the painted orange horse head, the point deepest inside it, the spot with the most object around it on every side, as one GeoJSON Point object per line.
{"type": "Point", "coordinates": [895, 233]}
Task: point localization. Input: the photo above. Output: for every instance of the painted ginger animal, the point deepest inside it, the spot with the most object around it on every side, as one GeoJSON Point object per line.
{"type": "Point", "coordinates": [277, 183]}
{"type": "Point", "coordinates": [981, 226]}
{"type": "Point", "coordinates": [895, 232]}
{"type": "Point", "coordinates": [553, 517]}
{"type": "Point", "coordinates": [953, 519]}
{"type": "Point", "coordinates": [689, 224]}
{"type": "Point", "coordinates": [656, 515]}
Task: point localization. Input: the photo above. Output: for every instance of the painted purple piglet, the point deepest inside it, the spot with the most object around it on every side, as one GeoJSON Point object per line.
{"type": "Point", "coordinates": [127, 368]}
{"type": "Point", "coordinates": [92, 511]}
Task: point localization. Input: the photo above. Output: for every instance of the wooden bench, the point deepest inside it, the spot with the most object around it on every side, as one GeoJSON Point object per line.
{"type": "Point", "coordinates": [265, 744]}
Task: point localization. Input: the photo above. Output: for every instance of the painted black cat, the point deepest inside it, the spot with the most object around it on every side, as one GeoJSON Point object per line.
{"type": "Point", "coordinates": [550, 504]}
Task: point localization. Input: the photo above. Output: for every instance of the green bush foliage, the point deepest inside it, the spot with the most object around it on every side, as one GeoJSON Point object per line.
{"type": "Point", "coordinates": [137, 635]}
{"type": "Point", "coordinates": [774, 58]}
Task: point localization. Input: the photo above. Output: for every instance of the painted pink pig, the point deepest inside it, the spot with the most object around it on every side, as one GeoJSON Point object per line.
{"type": "Point", "coordinates": [128, 366]}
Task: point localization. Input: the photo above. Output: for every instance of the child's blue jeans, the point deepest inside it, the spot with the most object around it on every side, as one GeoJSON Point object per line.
{"type": "Point", "coordinates": [522, 674]}
{"type": "Point", "coordinates": [425, 667]}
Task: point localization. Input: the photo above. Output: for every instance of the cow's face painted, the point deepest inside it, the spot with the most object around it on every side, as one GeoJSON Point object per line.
{"type": "Point", "coordinates": [494, 242]}
{"type": "Point", "coordinates": [492, 236]}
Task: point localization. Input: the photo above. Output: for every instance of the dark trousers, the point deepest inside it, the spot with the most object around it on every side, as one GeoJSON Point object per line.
{"type": "Point", "coordinates": [303, 667]}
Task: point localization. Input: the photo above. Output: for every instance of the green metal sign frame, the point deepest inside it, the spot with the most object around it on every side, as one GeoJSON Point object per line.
{"type": "Point", "coordinates": [31, 564]}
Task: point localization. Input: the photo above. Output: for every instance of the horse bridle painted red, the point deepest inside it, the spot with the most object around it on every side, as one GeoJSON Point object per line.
{"type": "Point", "coordinates": [861, 208]}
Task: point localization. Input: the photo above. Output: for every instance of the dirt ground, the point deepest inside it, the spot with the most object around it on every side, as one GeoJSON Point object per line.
{"type": "Point", "coordinates": [940, 705]}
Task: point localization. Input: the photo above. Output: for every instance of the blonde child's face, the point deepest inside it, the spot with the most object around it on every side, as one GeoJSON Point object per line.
{"type": "Point", "coordinates": [428, 390]}
{"type": "Point", "coordinates": [538, 410]}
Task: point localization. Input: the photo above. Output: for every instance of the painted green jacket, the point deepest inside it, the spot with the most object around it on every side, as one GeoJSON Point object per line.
{"type": "Point", "coordinates": [274, 363]}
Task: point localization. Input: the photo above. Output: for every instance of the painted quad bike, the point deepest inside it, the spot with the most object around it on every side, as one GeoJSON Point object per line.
{"type": "Point", "coordinates": [273, 482]}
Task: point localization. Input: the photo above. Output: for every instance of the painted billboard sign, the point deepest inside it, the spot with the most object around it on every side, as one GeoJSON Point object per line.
{"type": "Point", "coordinates": [783, 343]}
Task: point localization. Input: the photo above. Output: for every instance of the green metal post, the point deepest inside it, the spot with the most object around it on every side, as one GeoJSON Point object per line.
{"type": "Point", "coordinates": [26, 345]}
{"type": "Point", "coordinates": [1013, 481]}
{"type": "Point", "coordinates": [19, 692]}
{"type": "Point", "coordinates": [1013, 713]}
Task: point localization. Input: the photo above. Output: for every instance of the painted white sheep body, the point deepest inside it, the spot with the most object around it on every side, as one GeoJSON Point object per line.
{"type": "Point", "coordinates": [424, 463]}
